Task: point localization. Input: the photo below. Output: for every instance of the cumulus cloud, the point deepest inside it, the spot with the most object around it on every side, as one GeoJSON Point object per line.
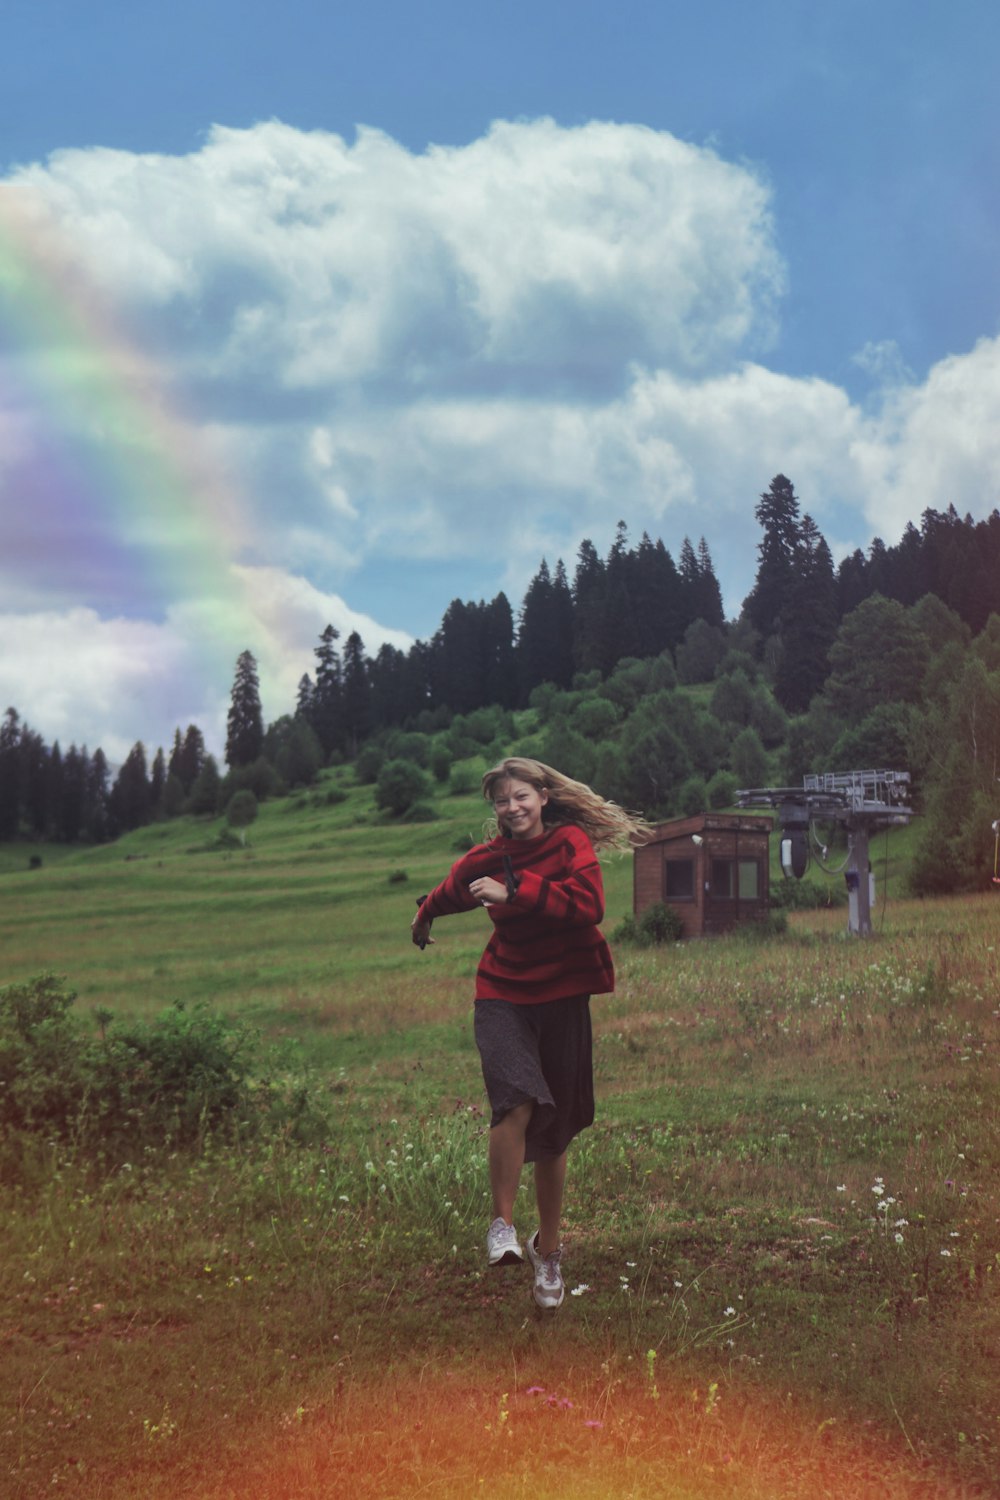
{"type": "Point", "coordinates": [81, 678]}
{"type": "Point", "coordinates": [469, 358]}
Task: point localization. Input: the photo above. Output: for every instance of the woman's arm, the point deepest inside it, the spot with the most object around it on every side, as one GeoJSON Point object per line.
{"type": "Point", "coordinates": [573, 893]}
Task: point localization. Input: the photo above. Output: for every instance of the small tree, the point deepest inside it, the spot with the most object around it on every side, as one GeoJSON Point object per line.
{"type": "Point", "coordinates": [241, 812]}
{"type": "Point", "coordinates": [400, 784]}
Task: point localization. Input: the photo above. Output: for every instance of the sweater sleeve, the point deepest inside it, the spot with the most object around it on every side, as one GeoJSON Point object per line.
{"type": "Point", "coordinates": [575, 896]}
{"type": "Point", "coordinates": [453, 894]}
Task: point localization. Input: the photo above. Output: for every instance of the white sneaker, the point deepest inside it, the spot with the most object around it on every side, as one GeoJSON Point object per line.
{"type": "Point", "coordinates": [502, 1246]}
{"type": "Point", "coordinates": [549, 1288]}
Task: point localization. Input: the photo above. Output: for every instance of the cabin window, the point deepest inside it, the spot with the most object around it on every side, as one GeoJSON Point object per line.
{"type": "Point", "coordinates": [735, 879]}
{"type": "Point", "coordinates": [678, 879]}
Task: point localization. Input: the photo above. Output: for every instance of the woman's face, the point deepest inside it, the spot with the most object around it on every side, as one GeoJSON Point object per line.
{"type": "Point", "coordinates": [518, 807]}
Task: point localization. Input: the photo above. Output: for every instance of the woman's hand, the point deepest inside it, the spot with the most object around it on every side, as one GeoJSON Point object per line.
{"type": "Point", "coordinates": [420, 932]}
{"type": "Point", "coordinates": [489, 892]}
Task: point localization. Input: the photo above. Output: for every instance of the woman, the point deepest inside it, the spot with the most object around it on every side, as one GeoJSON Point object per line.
{"type": "Point", "coordinates": [539, 880]}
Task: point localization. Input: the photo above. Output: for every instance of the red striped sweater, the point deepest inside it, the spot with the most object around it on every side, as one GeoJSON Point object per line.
{"type": "Point", "coordinates": [546, 943]}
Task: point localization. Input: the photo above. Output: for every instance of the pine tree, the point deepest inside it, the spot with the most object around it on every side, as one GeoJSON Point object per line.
{"type": "Point", "coordinates": [709, 593]}
{"type": "Point", "coordinates": [96, 818]}
{"type": "Point", "coordinates": [589, 585]}
{"type": "Point", "coordinates": [245, 724]}
{"type": "Point", "coordinates": [357, 692]}
{"type": "Point", "coordinates": [536, 634]}
{"type": "Point", "coordinates": [69, 811]}
{"type": "Point", "coordinates": [10, 774]}
{"type": "Point", "coordinates": [326, 704]}
{"type": "Point", "coordinates": [157, 782]}
{"type": "Point", "coordinates": [778, 514]}
{"type": "Point", "coordinates": [190, 757]}
{"type": "Point", "coordinates": [130, 793]}
{"type": "Point", "coordinates": [809, 622]}
{"type": "Point", "coordinates": [498, 654]}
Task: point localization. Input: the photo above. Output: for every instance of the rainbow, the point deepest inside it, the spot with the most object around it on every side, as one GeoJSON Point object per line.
{"type": "Point", "coordinates": [127, 479]}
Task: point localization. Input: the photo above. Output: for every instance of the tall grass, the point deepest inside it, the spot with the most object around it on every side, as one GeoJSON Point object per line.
{"type": "Point", "coordinates": [782, 1239]}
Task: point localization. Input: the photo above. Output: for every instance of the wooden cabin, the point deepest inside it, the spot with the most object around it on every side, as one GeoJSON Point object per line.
{"type": "Point", "coordinates": [712, 868]}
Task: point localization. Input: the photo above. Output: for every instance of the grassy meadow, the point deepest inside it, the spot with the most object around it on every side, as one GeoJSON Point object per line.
{"type": "Point", "coordinates": [782, 1233]}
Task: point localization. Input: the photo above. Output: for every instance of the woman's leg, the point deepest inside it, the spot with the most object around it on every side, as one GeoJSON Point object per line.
{"type": "Point", "coordinates": [506, 1156]}
{"type": "Point", "coordinates": [550, 1176]}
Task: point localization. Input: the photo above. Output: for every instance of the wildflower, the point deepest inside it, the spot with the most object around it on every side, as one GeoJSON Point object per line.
{"type": "Point", "coordinates": [593, 1424]}
{"type": "Point", "coordinates": [898, 1238]}
{"type": "Point", "coordinates": [901, 1224]}
{"type": "Point", "coordinates": [535, 1390]}
{"type": "Point", "coordinates": [878, 1189]}
{"type": "Point", "coordinates": [730, 1312]}
{"type": "Point", "coordinates": [842, 1187]}
{"type": "Point", "coordinates": [344, 1198]}
{"type": "Point", "coordinates": [679, 1285]}
{"type": "Point", "coordinates": [578, 1291]}
{"type": "Point", "coordinates": [946, 1254]}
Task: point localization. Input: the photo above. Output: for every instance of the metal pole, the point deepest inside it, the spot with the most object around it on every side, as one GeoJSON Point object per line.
{"type": "Point", "coordinates": [859, 909]}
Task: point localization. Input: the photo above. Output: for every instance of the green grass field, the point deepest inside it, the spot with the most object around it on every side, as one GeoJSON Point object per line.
{"type": "Point", "coordinates": [782, 1239]}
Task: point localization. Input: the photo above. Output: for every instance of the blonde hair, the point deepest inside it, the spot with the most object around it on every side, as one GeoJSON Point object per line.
{"type": "Point", "coordinates": [607, 825]}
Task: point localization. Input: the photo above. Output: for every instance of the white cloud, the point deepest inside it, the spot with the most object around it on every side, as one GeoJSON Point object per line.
{"type": "Point", "coordinates": [470, 357]}
{"type": "Point", "coordinates": [936, 444]}
{"type": "Point", "coordinates": [79, 678]}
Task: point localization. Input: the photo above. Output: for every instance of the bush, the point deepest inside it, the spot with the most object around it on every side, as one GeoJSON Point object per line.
{"type": "Point", "coordinates": [774, 924]}
{"type": "Point", "coordinates": [466, 776]}
{"type": "Point", "coordinates": [420, 812]}
{"type": "Point", "coordinates": [135, 1083]}
{"type": "Point", "coordinates": [400, 784]}
{"type": "Point", "coordinates": [722, 790]}
{"type": "Point", "coordinates": [368, 764]}
{"type": "Point", "coordinates": [241, 812]}
{"type": "Point", "coordinates": [658, 924]}
{"type": "Point", "coordinates": [693, 796]}
{"type": "Point", "coordinates": [807, 895]}
{"type": "Point", "coordinates": [260, 778]}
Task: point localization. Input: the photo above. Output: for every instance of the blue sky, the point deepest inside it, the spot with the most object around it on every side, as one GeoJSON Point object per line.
{"type": "Point", "coordinates": [448, 287]}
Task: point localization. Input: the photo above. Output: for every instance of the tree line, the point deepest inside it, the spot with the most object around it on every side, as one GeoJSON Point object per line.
{"type": "Point", "coordinates": [787, 672]}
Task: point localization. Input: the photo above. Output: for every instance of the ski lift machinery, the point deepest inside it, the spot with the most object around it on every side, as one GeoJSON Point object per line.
{"type": "Point", "coordinates": [861, 802]}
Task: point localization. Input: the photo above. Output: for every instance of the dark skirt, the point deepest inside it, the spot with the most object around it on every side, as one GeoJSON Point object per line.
{"type": "Point", "coordinates": [540, 1053]}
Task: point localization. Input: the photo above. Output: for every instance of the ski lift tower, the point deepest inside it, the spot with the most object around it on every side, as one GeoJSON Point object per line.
{"type": "Point", "coordinates": [862, 802]}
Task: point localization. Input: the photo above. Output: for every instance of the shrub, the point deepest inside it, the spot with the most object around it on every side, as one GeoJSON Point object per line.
{"type": "Point", "coordinates": [134, 1083]}
{"type": "Point", "coordinates": [722, 790]}
{"type": "Point", "coordinates": [807, 895]}
{"type": "Point", "coordinates": [420, 812]}
{"type": "Point", "coordinates": [241, 812]}
{"type": "Point", "coordinates": [259, 777]}
{"type": "Point", "coordinates": [368, 764]}
{"type": "Point", "coordinates": [693, 796]}
{"type": "Point", "coordinates": [441, 763]}
{"type": "Point", "coordinates": [774, 924]}
{"type": "Point", "coordinates": [658, 924]}
{"type": "Point", "coordinates": [400, 784]}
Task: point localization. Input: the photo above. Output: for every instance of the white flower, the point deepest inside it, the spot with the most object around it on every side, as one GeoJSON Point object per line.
{"type": "Point", "coordinates": [898, 1238]}
{"type": "Point", "coordinates": [842, 1187]}
{"type": "Point", "coordinates": [578, 1291]}
{"type": "Point", "coordinates": [946, 1254]}
{"type": "Point", "coordinates": [730, 1312]}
